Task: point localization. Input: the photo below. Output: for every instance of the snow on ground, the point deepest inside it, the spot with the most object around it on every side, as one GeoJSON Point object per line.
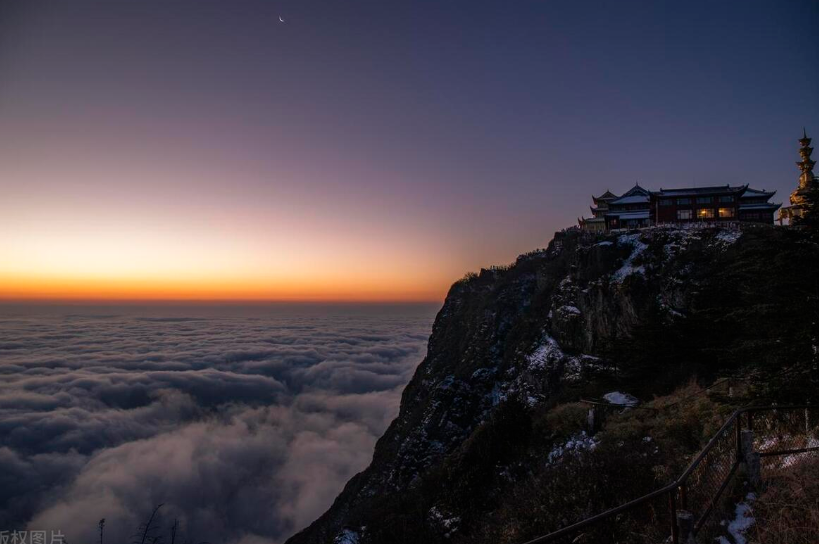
{"type": "Point", "coordinates": [789, 460]}
{"type": "Point", "coordinates": [743, 520]}
{"type": "Point", "coordinates": [347, 537]}
{"type": "Point", "coordinates": [622, 399]}
{"type": "Point", "coordinates": [671, 249]}
{"type": "Point", "coordinates": [577, 443]}
{"type": "Point", "coordinates": [678, 240]}
{"type": "Point", "coordinates": [628, 267]}
{"type": "Point", "coordinates": [728, 237]}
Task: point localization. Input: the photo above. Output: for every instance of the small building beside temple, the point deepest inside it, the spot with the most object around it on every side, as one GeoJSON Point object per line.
{"type": "Point", "coordinates": [754, 206]}
{"type": "Point", "coordinates": [597, 222]}
{"type": "Point", "coordinates": [806, 179]}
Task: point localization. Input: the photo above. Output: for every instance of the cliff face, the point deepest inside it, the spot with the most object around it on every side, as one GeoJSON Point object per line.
{"type": "Point", "coordinates": [641, 312]}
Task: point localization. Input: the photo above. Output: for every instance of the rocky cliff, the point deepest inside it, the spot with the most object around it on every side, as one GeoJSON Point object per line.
{"type": "Point", "coordinates": [641, 312]}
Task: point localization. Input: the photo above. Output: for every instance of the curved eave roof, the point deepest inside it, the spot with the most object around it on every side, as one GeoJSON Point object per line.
{"type": "Point", "coordinates": [700, 191]}
{"type": "Point", "coordinates": [637, 214]}
{"type": "Point", "coordinates": [605, 197]}
{"type": "Point", "coordinates": [756, 193]}
{"type": "Point", "coordinates": [766, 206]}
{"type": "Point", "coordinates": [632, 199]}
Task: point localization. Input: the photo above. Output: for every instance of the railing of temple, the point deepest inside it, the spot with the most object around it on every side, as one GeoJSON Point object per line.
{"type": "Point", "coordinates": [766, 438]}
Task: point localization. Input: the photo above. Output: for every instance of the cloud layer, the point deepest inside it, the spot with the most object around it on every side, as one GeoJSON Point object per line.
{"type": "Point", "coordinates": [244, 425]}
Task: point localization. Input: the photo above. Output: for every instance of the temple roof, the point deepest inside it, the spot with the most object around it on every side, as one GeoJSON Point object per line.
{"type": "Point", "coordinates": [762, 206]}
{"type": "Point", "coordinates": [608, 195]}
{"type": "Point", "coordinates": [635, 195]}
{"type": "Point", "coordinates": [637, 190]}
{"type": "Point", "coordinates": [631, 199]}
{"type": "Point", "coordinates": [639, 214]}
{"type": "Point", "coordinates": [756, 193]}
{"type": "Point", "coordinates": [697, 191]}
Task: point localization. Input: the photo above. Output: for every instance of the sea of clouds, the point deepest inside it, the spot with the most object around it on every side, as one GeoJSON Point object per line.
{"type": "Point", "coordinates": [244, 422]}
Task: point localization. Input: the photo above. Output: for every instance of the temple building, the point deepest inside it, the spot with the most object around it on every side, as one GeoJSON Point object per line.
{"type": "Point", "coordinates": [722, 203]}
{"type": "Point", "coordinates": [630, 211]}
{"type": "Point", "coordinates": [754, 206]}
{"type": "Point", "coordinates": [639, 207]}
{"type": "Point", "coordinates": [806, 179]}
{"type": "Point", "coordinates": [597, 222]}
{"type": "Point", "coordinates": [610, 211]}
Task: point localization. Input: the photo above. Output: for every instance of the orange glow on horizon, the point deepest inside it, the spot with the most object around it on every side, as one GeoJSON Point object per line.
{"type": "Point", "coordinates": [99, 231]}
{"type": "Point", "coordinates": [75, 254]}
{"type": "Point", "coordinates": [81, 289]}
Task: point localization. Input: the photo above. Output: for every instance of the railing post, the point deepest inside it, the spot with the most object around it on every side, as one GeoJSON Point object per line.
{"type": "Point", "coordinates": [751, 458]}
{"type": "Point", "coordinates": [672, 506]}
{"type": "Point", "coordinates": [591, 421]}
{"type": "Point", "coordinates": [685, 522]}
{"type": "Point", "coordinates": [738, 426]}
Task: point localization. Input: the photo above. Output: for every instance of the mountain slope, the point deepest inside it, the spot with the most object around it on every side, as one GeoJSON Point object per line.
{"type": "Point", "coordinates": [641, 312]}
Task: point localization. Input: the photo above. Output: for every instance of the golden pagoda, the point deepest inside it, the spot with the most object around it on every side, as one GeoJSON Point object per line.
{"type": "Point", "coordinates": [806, 179]}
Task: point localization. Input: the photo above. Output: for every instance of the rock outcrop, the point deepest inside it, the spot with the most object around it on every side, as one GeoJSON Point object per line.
{"type": "Point", "coordinates": [588, 310]}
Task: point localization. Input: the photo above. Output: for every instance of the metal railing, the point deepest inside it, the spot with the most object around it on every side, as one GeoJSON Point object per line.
{"type": "Point", "coordinates": [773, 438]}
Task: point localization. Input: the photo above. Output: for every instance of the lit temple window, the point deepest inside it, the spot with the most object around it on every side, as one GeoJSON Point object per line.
{"type": "Point", "coordinates": [705, 213]}
{"type": "Point", "coordinates": [726, 212]}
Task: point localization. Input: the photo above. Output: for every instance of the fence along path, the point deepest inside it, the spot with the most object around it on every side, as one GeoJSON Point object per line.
{"type": "Point", "coordinates": [690, 509]}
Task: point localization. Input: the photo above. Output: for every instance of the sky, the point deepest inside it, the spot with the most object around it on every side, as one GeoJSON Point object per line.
{"type": "Point", "coordinates": [366, 150]}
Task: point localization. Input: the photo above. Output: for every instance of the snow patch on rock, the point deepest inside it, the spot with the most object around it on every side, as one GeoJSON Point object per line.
{"type": "Point", "coordinates": [628, 268]}
{"type": "Point", "coordinates": [347, 536]}
{"type": "Point", "coordinates": [621, 399]}
{"type": "Point", "coordinates": [547, 353]}
{"type": "Point", "coordinates": [448, 523]}
{"type": "Point", "coordinates": [569, 310]}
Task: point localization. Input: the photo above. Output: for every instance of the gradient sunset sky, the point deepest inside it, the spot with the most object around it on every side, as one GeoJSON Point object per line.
{"type": "Point", "coordinates": [367, 150]}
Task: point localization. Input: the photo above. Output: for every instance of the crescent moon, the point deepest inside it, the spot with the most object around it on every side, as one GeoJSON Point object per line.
{"type": "Point", "coordinates": [280, 19]}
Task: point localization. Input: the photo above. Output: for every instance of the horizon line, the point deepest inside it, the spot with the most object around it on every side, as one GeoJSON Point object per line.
{"type": "Point", "coordinates": [214, 302]}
